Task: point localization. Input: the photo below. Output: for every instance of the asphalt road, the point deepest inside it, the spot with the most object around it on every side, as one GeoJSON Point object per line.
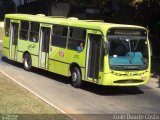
{"type": "Point", "coordinates": [91, 101]}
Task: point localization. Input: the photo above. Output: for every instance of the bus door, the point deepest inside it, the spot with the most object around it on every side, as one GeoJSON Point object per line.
{"type": "Point", "coordinates": [14, 40]}
{"type": "Point", "coordinates": [45, 34]}
{"type": "Point", "coordinates": [93, 57]}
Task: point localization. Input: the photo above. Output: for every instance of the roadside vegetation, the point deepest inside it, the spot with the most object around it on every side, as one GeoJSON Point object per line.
{"type": "Point", "coordinates": [17, 101]}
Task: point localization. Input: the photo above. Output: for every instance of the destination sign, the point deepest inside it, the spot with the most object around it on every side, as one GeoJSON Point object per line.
{"type": "Point", "coordinates": [128, 32]}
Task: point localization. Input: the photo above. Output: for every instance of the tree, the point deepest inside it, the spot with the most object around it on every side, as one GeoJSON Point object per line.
{"type": "Point", "coordinates": [123, 11]}
{"type": "Point", "coordinates": [6, 6]}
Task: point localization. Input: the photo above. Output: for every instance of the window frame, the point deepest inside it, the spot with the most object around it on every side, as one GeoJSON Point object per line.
{"type": "Point", "coordinates": [63, 36]}
{"type": "Point", "coordinates": [73, 38]}
{"type": "Point", "coordinates": [35, 33]}
{"type": "Point", "coordinates": [7, 27]}
{"type": "Point", "coordinates": [24, 30]}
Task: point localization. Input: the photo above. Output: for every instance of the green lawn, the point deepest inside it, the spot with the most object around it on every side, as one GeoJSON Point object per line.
{"type": "Point", "coordinates": [16, 100]}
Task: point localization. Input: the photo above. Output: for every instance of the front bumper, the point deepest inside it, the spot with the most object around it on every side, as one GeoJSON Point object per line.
{"type": "Point", "coordinates": [129, 78]}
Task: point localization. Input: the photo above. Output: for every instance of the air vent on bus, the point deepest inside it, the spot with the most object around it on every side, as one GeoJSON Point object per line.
{"type": "Point", "coordinates": [128, 81]}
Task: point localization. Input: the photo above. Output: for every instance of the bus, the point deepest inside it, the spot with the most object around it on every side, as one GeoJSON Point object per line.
{"type": "Point", "coordinates": [85, 50]}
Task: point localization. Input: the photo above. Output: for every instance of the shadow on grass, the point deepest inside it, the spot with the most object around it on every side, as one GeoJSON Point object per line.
{"type": "Point", "coordinates": [87, 86]}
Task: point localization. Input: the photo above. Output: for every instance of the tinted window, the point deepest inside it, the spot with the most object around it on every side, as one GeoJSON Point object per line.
{"type": "Point", "coordinates": [76, 39]}
{"type": "Point", "coordinates": [78, 33]}
{"type": "Point", "coordinates": [35, 26]}
{"type": "Point", "coordinates": [34, 32]}
{"type": "Point", "coordinates": [24, 30]}
{"type": "Point", "coordinates": [25, 25]}
{"type": "Point", "coordinates": [7, 26]}
{"type": "Point", "coordinates": [60, 30]}
{"type": "Point", "coordinates": [59, 36]}
{"type": "Point", "coordinates": [45, 39]}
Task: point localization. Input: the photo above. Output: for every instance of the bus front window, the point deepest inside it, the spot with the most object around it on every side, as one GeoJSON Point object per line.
{"type": "Point", "coordinates": [130, 53]}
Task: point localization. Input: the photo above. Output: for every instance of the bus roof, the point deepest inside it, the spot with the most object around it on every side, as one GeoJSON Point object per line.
{"type": "Point", "coordinates": [72, 21]}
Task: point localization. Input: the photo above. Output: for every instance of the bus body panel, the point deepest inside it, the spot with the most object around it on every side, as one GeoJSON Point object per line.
{"type": "Point", "coordinates": [57, 61]}
{"type": "Point", "coordinates": [31, 47]}
{"type": "Point", "coordinates": [5, 45]}
{"type": "Point", "coordinates": [35, 60]}
{"type": "Point", "coordinates": [20, 57]}
{"type": "Point", "coordinates": [122, 79]}
{"type": "Point", "coordinates": [58, 67]}
{"type": "Point", "coordinates": [76, 57]}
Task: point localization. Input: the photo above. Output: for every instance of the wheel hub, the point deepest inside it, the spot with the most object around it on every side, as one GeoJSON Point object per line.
{"type": "Point", "coordinates": [26, 63]}
{"type": "Point", "coordinates": [74, 76]}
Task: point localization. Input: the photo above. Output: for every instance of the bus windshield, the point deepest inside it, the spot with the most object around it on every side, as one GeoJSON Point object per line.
{"type": "Point", "coordinates": [130, 53]}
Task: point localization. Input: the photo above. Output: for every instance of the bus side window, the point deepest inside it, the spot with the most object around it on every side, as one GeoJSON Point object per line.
{"type": "Point", "coordinates": [24, 30]}
{"type": "Point", "coordinates": [59, 36]}
{"type": "Point", "coordinates": [7, 26]}
{"type": "Point", "coordinates": [34, 32]}
{"type": "Point", "coordinates": [76, 39]}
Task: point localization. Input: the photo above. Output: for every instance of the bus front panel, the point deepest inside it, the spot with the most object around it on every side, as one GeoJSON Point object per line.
{"type": "Point", "coordinates": [127, 62]}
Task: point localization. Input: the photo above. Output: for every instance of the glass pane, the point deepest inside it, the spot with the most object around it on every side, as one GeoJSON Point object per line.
{"type": "Point", "coordinates": [25, 25]}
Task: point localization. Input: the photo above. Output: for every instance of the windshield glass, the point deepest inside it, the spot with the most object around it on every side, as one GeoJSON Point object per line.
{"type": "Point", "coordinates": [128, 52]}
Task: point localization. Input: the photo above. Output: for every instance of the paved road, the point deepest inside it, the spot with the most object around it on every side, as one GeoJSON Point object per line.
{"type": "Point", "coordinates": [91, 99]}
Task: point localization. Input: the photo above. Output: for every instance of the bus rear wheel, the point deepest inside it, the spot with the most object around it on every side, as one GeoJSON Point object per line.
{"type": "Point", "coordinates": [27, 62]}
{"type": "Point", "coordinates": [76, 78]}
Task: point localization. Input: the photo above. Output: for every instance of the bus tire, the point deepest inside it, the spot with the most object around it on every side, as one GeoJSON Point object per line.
{"type": "Point", "coordinates": [27, 62]}
{"type": "Point", "coordinates": [76, 78]}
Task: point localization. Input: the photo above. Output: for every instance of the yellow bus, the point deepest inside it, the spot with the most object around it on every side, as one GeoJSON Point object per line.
{"type": "Point", "coordinates": [87, 50]}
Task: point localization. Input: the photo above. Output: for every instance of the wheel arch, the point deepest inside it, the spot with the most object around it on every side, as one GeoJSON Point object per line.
{"type": "Point", "coordinates": [71, 67]}
{"type": "Point", "coordinates": [27, 61]}
{"type": "Point", "coordinates": [26, 52]}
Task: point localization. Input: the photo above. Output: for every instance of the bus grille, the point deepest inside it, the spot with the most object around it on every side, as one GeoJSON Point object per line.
{"type": "Point", "coordinates": [129, 81]}
{"type": "Point", "coordinates": [128, 73]}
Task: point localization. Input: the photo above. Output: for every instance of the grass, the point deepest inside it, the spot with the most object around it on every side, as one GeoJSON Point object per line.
{"type": "Point", "coordinates": [16, 100]}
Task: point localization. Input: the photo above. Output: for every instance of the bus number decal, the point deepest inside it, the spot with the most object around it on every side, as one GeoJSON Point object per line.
{"type": "Point", "coordinates": [61, 54]}
{"type": "Point", "coordinates": [76, 56]}
{"type": "Point", "coordinates": [30, 47]}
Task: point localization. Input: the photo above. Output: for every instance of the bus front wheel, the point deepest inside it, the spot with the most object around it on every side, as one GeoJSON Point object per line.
{"type": "Point", "coordinates": [27, 62]}
{"type": "Point", "coordinates": [76, 78]}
